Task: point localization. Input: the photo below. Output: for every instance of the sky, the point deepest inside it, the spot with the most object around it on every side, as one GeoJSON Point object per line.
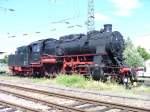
{"type": "Point", "coordinates": [24, 21]}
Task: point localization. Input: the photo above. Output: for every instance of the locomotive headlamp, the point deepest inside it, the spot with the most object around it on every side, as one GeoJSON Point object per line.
{"type": "Point", "coordinates": [125, 80]}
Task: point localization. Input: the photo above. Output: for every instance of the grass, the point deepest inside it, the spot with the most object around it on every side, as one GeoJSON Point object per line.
{"type": "Point", "coordinates": [71, 81]}
{"type": "Point", "coordinates": [80, 82]}
{"type": "Point", "coordinates": [77, 81]}
{"type": "Point", "coordinates": [142, 89]}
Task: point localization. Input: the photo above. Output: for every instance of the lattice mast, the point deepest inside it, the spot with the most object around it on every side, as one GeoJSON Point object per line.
{"type": "Point", "coordinates": [90, 21]}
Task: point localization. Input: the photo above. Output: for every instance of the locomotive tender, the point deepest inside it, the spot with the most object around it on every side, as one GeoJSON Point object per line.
{"type": "Point", "coordinates": [98, 54]}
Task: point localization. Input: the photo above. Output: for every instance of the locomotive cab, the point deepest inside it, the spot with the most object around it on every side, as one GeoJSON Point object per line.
{"type": "Point", "coordinates": [36, 50]}
{"type": "Point", "coordinates": [42, 47]}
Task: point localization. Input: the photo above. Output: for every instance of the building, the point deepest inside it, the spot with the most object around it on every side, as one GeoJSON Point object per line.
{"type": "Point", "coordinates": [147, 65]}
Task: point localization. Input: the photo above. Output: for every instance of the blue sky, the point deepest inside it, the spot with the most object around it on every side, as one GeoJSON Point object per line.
{"type": "Point", "coordinates": [130, 17]}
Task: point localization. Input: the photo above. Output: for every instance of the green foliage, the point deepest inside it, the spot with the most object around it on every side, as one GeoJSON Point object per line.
{"type": "Point", "coordinates": [71, 81]}
{"type": "Point", "coordinates": [5, 59]}
{"type": "Point", "coordinates": [131, 55]}
{"type": "Point", "coordinates": [142, 51]}
{"type": "Point", "coordinates": [80, 82]}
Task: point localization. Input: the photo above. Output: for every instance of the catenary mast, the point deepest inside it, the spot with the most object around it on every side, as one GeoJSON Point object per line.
{"type": "Point", "coordinates": [90, 21]}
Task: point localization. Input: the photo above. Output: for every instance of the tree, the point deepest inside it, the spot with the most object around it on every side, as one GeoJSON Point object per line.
{"type": "Point", "coordinates": [5, 59]}
{"type": "Point", "coordinates": [131, 55]}
{"type": "Point", "coordinates": [142, 51]}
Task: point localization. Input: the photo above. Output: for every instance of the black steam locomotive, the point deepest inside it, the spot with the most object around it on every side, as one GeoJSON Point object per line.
{"type": "Point", "coordinates": [98, 54]}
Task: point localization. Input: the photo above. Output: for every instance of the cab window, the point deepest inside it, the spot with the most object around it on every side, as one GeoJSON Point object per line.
{"type": "Point", "coordinates": [36, 48]}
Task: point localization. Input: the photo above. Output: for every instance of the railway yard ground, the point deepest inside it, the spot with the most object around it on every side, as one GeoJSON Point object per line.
{"type": "Point", "coordinates": [72, 86]}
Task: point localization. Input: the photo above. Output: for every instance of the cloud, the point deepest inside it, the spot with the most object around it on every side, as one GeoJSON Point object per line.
{"type": "Point", "coordinates": [101, 17]}
{"type": "Point", "coordinates": [125, 7]}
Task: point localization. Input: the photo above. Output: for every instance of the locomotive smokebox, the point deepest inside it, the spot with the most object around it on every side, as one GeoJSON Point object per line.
{"type": "Point", "coordinates": [107, 27]}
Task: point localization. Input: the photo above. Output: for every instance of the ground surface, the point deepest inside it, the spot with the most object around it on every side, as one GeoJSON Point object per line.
{"type": "Point", "coordinates": [139, 96]}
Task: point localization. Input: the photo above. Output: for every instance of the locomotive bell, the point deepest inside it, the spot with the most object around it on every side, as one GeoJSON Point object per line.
{"type": "Point", "coordinates": [107, 27]}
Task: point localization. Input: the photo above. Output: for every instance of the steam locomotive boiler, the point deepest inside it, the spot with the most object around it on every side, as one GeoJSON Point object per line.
{"type": "Point", "coordinates": [98, 54]}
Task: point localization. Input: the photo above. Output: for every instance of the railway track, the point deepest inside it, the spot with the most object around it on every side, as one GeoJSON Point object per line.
{"type": "Point", "coordinates": [6, 106]}
{"type": "Point", "coordinates": [85, 92]}
{"type": "Point", "coordinates": [79, 91]}
{"type": "Point", "coordinates": [80, 104]}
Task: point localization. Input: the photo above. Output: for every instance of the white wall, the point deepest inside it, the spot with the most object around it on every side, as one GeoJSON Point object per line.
{"type": "Point", "coordinates": [147, 64]}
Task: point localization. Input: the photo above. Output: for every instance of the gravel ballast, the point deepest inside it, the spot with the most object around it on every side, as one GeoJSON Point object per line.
{"type": "Point", "coordinates": [138, 100]}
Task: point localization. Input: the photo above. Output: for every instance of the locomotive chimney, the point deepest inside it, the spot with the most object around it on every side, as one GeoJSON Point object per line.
{"type": "Point", "coordinates": [107, 27]}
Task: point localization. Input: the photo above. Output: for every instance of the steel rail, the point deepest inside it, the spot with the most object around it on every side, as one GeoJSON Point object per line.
{"type": "Point", "coordinates": [85, 100]}
{"type": "Point", "coordinates": [17, 106]}
{"type": "Point", "coordinates": [48, 103]}
{"type": "Point", "coordinates": [76, 91]}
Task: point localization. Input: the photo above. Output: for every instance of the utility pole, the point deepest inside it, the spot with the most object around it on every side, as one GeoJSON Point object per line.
{"type": "Point", "coordinates": [90, 21]}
